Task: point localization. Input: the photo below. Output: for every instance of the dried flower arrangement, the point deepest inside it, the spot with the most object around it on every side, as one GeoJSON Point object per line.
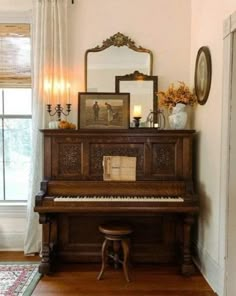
{"type": "Point", "coordinates": [173, 96]}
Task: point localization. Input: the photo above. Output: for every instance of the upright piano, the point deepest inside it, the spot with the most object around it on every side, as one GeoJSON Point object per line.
{"type": "Point", "coordinates": [161, 205]}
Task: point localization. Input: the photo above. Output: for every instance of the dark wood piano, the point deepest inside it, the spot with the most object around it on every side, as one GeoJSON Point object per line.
{"type": "Point", "coordinates": [161, 204]}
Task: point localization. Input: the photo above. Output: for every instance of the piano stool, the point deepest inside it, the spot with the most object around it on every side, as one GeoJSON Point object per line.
{"type": "Point", "coordinates": [116, 235]}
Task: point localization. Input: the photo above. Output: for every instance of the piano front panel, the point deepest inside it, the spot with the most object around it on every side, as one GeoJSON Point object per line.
{"type": "Point", "coordinates": [153, 240]}
{"type": "Point", "coordinates": [78, 156]}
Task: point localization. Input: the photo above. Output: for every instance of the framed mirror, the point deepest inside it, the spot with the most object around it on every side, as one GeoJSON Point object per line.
{"type": "Point", "coordinates": [142, 89]}
{"type": "Point", "coordinates": [117, 56]}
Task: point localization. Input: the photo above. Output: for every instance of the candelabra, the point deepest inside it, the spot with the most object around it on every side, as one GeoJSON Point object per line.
{"type": "Point", "coordinates": [59, 110]}
{"type": "Point", "coordinates": [137, 121]}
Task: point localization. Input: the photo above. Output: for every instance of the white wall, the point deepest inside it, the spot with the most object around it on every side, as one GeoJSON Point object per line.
{"type": "Point", "coordinates": [207, 30]}
{"type": "Point", "coordinates": [161, 26]}
{"type": "Point", "coordinates": [12, 227]}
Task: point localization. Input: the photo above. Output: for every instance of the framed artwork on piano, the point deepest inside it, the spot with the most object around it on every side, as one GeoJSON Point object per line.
{"type": "Point", "coordinates": [103, 110]}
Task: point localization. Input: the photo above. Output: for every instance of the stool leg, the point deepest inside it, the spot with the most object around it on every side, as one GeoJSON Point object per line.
{"type": "Point", "coordinates": [125, 247]}
{"type": "Point", "coordinates": [116, 248]}
{"type": "Point", "coordinates": [104, 248]}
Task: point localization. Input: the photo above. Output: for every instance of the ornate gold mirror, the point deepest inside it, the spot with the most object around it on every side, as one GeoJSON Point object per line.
{"type": "Point", "coordinates": [142, 89]}
{"type": "Point", "coordinates": [118, 55]}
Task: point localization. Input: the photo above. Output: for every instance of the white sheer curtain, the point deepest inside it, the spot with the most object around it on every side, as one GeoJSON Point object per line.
{"type": "Point", "coordinates": [49, 64]}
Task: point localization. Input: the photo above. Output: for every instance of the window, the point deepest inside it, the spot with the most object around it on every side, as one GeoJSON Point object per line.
{"type": "Point", "coordinates": [15, 111]}
{"type": "Point", "coordinates": [15, 143]}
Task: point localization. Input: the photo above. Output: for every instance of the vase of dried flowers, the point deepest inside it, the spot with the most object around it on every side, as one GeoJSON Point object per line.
{"type": "Point", "coordinates": [178, 117]}
{"type": "Point", "coordinates": [176, 99]}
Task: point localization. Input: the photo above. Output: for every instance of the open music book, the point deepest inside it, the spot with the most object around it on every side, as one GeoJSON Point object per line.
{"type": "Point", "coordinates": [119, 168]}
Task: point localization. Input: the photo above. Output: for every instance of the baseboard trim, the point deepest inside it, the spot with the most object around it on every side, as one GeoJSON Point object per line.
{"type": "Point", "coordinates": [12, 242]}
{"type": "Point", "coordinates": [210, 269]}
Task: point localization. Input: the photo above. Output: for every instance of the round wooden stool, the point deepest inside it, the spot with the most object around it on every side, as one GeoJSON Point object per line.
{"type": "Point", "coordinates": [117, 235]}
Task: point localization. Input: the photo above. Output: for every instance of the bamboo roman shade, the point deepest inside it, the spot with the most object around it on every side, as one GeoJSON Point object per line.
{"type": "Point", "coordinates": [15, 55]}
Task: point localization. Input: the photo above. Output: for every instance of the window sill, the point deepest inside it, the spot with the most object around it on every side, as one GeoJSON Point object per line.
{"type": "Point", "coordinates": [13, 204]}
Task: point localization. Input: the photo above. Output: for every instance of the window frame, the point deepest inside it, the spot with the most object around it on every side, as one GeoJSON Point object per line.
{"type": "Point", "coordinates": [9, 207]}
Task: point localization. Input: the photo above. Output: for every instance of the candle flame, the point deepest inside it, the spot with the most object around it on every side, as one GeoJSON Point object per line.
{"type": "Point", "coordinates": [47, 85]}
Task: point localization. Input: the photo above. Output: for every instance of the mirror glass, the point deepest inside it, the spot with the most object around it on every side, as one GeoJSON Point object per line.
{"type": "Point", "coordinates": [118, 55]}
{"type": "Point", "coordinates": [142, 89]}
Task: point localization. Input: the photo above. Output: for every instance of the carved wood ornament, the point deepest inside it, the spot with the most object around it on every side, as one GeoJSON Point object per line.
{"type": "Point", "coordinates": [119, 40]}
{"type": "Point", "coordinates": [69, 158]}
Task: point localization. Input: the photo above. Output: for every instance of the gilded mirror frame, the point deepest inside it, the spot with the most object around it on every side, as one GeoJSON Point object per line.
{"type": "Point", "coordinates": [117, 40]}
{"type": "Point", "coordinates": [137, 76]}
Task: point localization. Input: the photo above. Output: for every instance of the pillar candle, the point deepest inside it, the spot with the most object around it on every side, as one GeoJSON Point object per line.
{"type": "Point", "coordinates": [137, 111]}
{"type": "Point", "coordinates": [47, 90]}
{"type": "Point", "coordinates": [68, 93]}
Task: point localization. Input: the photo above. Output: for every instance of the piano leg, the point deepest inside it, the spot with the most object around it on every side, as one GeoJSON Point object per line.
{"type": "Point", "coordinates": [47, 244]}
{"type": "Point", "coordinates": [187, 267]}
{"type": "Point", "coordinates": [45, 265]}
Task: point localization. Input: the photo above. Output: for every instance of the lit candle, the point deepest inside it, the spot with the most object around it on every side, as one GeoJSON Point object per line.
{"type": "Point", "coordinates": [62, 89]}
{"type": "Point", "coordinates": [56, 91]}
{"type": "Point", "coordinates": [47, 90]}
{"type": "Point", "coordinates": [137, 111]}
{"type": "Point", "coordinates": [68, 93]}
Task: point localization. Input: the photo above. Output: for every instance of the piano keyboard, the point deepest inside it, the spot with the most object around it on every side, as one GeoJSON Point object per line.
{"type": "Point", "coordinates": [118, 198]}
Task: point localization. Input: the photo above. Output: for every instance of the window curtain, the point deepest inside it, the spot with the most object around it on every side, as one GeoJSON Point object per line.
{"type": "Point", "coordinates": [49, 56]}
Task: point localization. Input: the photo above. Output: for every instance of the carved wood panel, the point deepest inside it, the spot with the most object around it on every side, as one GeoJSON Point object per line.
{"type": "Point", "coordinates": [97, 151]}
{"type": "Point", "coordinates": [164, 159]}
{"type": "Point", "coordinates": [69, 159]}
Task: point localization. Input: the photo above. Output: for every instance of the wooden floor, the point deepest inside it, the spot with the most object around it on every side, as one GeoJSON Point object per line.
{"type": "Point", "coordinates": [80, 280]}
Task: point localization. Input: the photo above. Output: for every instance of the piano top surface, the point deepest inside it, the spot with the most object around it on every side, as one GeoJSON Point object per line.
{"type": "Point", "coordinates": [131, 132]}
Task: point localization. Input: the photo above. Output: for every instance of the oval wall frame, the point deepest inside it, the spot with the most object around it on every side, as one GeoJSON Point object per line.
{"type": "Point", "coordinates": [203, 73]}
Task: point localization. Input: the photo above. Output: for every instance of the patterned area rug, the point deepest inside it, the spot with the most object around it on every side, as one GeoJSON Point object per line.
{"type": "Point", "coordinates": [18, 279]}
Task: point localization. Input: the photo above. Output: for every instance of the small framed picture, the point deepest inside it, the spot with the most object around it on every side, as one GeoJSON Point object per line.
{"type": "Point", "coordinates": [202, 78]}
{"type": "Point", "coordinates": [103, 110]}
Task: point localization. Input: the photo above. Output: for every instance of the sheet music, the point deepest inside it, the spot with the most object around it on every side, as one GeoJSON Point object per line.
{"type": "Point", "coordinates": [119, 168]}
